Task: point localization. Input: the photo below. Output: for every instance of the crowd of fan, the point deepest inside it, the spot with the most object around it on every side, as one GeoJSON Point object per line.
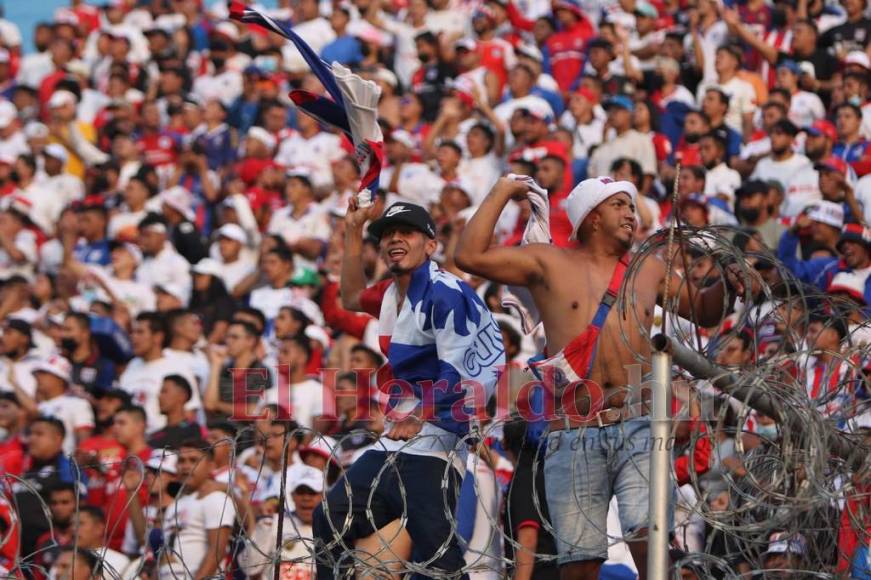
{"type": "Point", "coordinates": [166, 216]}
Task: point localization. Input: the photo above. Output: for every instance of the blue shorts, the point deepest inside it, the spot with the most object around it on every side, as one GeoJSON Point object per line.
{"type": "Point", "coordinates": [583, 469]}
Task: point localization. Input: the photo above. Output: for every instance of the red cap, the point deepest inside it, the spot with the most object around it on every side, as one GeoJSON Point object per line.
{"type": "Point", "coordinates": [834, 164]}
{"type": "Point", "coordinates": [588, 94]}
{"type": "Point", "coordinates": [823, 127]}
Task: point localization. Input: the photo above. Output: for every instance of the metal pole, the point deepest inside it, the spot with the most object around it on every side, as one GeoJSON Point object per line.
{"type": "Point", "coordinates": [752, 391]}
{"type": "Point", "coordinates": [660, 469]}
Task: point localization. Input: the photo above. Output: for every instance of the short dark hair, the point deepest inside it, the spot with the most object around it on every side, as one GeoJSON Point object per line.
{"type": "Point", "coordinates": [52, 422]}
{"type": "Point", "coordinates": [182, 383]}
{"type": "Point", "coordinates": [452, 145]}
{"type": "Point", "coordinates": [251, 311]}
{"type": "Point", "coordinates": [83, 320]}
{"type": "Point", "coordinates": [249, 328]}
{"type": "Point", "coordinates": [856, 110]}
{"type": "Point", "coordinates": [283, 253]}
{"type": "Point", "coordinates": [302, 341]}
{"type": "Point", "coordinates": [153, 219]}
{"type": "Point", "coordinates": [427, 37]}
{"type": "Point", "coordinates": [200, 445]}
{"type": "Point", "coordinates": [371, 353]}
{"type": "Point", "coordinates": [634, 167]}
{"type": "Point", "coordinates": [61, 486]}
{"type": "Point", "coordinates": [93, 511]}
{"type": "Point", "coordinates": [224, 426]}
{"type": "Point", "coordinates": [155, 320]}
{"type": "Point", "coordinates": [90, 558]}
{"type": "Point", "coordinates": [134, 410]}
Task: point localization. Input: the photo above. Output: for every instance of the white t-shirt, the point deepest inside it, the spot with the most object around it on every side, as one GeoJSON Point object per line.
{"type": "Point", "coordinates": [23, 370]}
{"type": "Point", "coordinates": [804, 189]}
{"type": "Point", "coordinates": [306, 399]}
{"type": "Point", "coordinates": [14, 145]}
{"type": "Point", "coordinates": [783, 171]}
{"type": "Point", "coordinates": [481, 174]}
{"type": "Point", "coordinates": [143, 381]}
{"type": "Point", "coordinates": [114, 563]}
{"type": "Point", "coordinates": [484, 551]}
{"type": "Point", "coordinates": [269, 300]}
{"type": "Point", "coordinates": [317, 33]}
{"type": "Point", "coordinates": [74, 412]}
{"type": "Point", "coordinates": [225, 87]}
{"type": "Point", "coordinates": [234, 272]}
{"type": "Point", "coordinates": [186, 524]}
{"type": "Point", "coordinates": [167, 267]}
{"type": "Point", "coordinates": [313, 224]}
{"type": "Point", "coordinates": [416, 183]}
{"type": "Point", "coordinates": [742, 100]}
{"type": "Point", "coordinates": [197, 362]}
{"type": "Point", "coordinates": [631, 144]}
{"type": "Point", "coordinates": [315, 154]}
{"type": "Point", "coordinates": [138, 297]}
{"type": "Point", "coordinates": [25, 242]}
{"type": "Point", "coordinates": [722, 180]}
{"type": "Point", "coordinates": [863, 196]}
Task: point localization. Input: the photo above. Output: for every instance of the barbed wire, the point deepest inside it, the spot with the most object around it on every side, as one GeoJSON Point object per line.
{"type": "Point", "coordinates": [790, 484]}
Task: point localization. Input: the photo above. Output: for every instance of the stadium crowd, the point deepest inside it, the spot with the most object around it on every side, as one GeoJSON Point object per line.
{"type": "Point", "coordinates": [172, 227]}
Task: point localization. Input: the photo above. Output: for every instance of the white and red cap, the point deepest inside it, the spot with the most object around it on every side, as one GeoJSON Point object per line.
{"type": "Point", "coordinates": [57, 366]}
{"type": "Point", "coordinates": [233, 232]}
{"type": "Point", "coordinates": [163, 460]}
{"type": "Point", "coordinates": [207, 267]}
{"type": "Point", "coordinates": [827, 212]}
{"type": "Point", "coordinates": [262, 135]}
{"type": "Point", "coordinates": [323, 445]}
{"type": "Point", "coordinates": [589, 193]}
{"type": "Point", "coordinates": [850, 283]}
{"type": "Point", "coordinates": [858, 58]}
{"type": "Point", "coordinates": [61, 98]}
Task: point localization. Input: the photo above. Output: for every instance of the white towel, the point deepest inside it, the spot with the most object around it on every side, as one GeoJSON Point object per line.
{"type": "Point", "coordinates": [537, 231]}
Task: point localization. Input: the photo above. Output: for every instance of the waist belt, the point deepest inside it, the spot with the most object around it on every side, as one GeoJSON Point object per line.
{"type": "Point", "coordinates": [603, 418]}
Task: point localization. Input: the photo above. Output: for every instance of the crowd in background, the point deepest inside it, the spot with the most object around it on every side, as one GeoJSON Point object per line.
{"type": "Point", "coordinates": [169, 222]}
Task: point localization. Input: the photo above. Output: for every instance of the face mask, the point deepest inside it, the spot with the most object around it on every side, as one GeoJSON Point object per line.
{"type": "Point", "coordinates": [218, 62]}
{"type": "Point", "coordinates": [423, 57]}
{"type": "Point", "coordinates": [767, 431]}
{"type": "Point", "coordinates": [855, 100]}
{"type": "Point", "coordinates": [69, 344]}
{"type": "Point", "coordinates": [692, 138]}
{"type": "Point", "coordinates": [749, 215]}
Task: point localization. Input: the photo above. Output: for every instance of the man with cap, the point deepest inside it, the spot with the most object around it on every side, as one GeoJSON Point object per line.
{"type": "Point", "coordinates": [785, 554]}
{"type": "Point", "coordinates": [626, 143]}
{"type": "Point", "coordinates": [304, 494]}
{"type": "Point", "coordinates": [826, 222]}
{"type": "Point", "coordinates": [574, 289]}
{"type": "Point", "coordinates": [782, 164]}
{"type": "Point", "coordinates": [804, 107]}
{"type": "Point", "coordinates": [17, 360]}
{"type": "Point", "coordinates": [236, 262]}
{"type": "Point", "coordinates": [161, 265]}
{"type": "Point", "coordinates": [177, 205]}
{"type": "Point", "coordinates": [434, 330]}
{"type": "Point", "coordinates": [53, 399]}
{"type": "Point", "coordinates": [63, 187]}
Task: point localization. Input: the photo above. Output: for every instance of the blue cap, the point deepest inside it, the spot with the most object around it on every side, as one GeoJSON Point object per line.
{"type": "Point", "coordinates": [622, 101]}
{"type": "Point", "coordinates": [791, 65]}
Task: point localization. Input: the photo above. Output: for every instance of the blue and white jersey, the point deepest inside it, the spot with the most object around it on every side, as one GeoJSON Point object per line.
{"type": "Point", "coordinates": [444, 347]}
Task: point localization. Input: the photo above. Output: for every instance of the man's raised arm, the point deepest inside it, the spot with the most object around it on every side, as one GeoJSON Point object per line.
{"type": "Point", "coordinates": [353, 279]}
{"type": "Point", "coordinates": [475, 254]}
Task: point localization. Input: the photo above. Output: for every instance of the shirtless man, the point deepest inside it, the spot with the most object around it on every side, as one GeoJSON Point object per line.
{"type": "Point", "coordinates": [569, 288]}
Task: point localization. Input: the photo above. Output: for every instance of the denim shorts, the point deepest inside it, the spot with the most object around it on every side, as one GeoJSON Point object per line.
{"type": "Point", "coordinates": [583, 469]}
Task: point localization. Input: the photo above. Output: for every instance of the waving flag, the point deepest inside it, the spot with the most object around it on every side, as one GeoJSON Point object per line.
{"type": "Point", "coordinates": [354, 105]}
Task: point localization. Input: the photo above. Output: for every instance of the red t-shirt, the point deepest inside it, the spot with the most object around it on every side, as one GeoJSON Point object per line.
{"type": "Point", "coordinates": [12, 456]}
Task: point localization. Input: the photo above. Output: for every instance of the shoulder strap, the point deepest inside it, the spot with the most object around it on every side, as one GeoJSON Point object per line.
{"type": "Point", "coordinates": [610, 295]}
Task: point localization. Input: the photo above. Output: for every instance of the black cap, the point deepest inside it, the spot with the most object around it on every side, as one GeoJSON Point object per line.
{"type": "Point", "coordinates": [21, 326]}
{"type": "Point", "coordinates": [403, 213]}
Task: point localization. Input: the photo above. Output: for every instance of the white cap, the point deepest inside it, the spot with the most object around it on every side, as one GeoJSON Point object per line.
{"type": "Point", "coordinates": [131, 249]}
{"type": "Point", "coordinates": [228, 29]}
{"type": "Point", "coordinates": [179, 199]}
{"type": "Point", "coordinates": [35, 129]}
{"type": "Point", "coordinates": [858, 57]}
{"type": "Point", "coordinates": [404, 137]}
{"type": "Point", "coordinates": [309, 477]}
{"type": "Point", "coordinates": [174, 290]}
{"type": "Point", "coordinates": [262, 135]}
{"type": "Point", "coordinates": [61, 98]}
{"type": "Point", "coordinates": [317, 333]}
{"type": "Point", "coordinates": [309, 308]}
{"type": "Point", "coordinates": [589, 193]}
{"type": "Point", "coordinates": [233, 232]}
{"type": "Point", "coordinates": [207, 266]}
{"type": "Point", "coordinates": [530, 51]}
{"type": "Point", "coordinates": [782, 543]}
{"type": "Point", "coordinates": [57, 151]}
{"type": "Point", "coordinates": [8, 113]}
{"type": "Point", "coordinates": [55, 365]}
{"type": "Point", "coordinates": [827, 212]}
{"type": "Point", "coordinates": [467, 43]}
{"type": "Point", "coordinates": [163, 460]}
{"type": "Point", "coordinates": [387, 76]}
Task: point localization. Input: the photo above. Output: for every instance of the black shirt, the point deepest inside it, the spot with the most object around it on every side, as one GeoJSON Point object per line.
{"type": "Point", "coordinates": [522, 509]}
{"type": "Point", "coordinates": [173, 436]}
{"type": "Point", "coordinates": [848, 36]}
{"type": "Point", "coordinates": [188, 242]}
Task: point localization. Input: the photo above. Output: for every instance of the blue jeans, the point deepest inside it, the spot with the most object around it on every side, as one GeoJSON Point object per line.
{"type": "Point", "coordinates": [583, 469]}
{"type": "Point", "coordinates": [341, 519]}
